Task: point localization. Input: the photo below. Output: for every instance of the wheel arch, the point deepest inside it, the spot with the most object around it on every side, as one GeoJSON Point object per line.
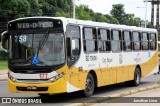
{"type": "Point", "coordinates": [138, 66]}
{"type": "Point", "coordinates": [93, 73]}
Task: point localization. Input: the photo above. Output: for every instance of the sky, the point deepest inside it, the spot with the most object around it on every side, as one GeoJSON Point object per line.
{"type": "Point", "coordinates": [105, 6]}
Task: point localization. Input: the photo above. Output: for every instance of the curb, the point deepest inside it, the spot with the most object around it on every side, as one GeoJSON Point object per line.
{"type": "Point", "coordinates": [3, 73]}
{"type": "Point", "coordinates": [113, 96]}
{"type": "Point", "coordinates": [3, 79]}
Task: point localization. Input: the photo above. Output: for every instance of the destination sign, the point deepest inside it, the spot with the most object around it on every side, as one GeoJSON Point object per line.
{"type": "Point", "coordinates": [33, 25]}
{"type": "Point", "coordinates": [29, 24]}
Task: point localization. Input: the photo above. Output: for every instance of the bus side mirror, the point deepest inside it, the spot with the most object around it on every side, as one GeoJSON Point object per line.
{"type": "Point", "coordinates": [5, 41]}
{"type": "Point", "coordinates": [69, 47]}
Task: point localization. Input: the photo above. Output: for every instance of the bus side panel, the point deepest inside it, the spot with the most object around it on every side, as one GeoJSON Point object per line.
{"type": "Point", "coordinates": [122, 74]}
{"type": "Point", "coordinates": [131, 72]}
{"type": "Point", "coordinates": [148, 67]}
{"type": "Point", "coordinates": [105, 79]}
{"type": "Point", "coordinates": [82, 79]}
{"type": "Point", "coordinates": [113, 76]}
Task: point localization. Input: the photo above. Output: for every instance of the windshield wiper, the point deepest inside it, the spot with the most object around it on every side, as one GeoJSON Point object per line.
{"type": "Point", "coordinates": [42, 42]}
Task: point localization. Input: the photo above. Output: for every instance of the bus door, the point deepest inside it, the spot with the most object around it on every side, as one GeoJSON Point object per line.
{"type": "Point", "coordinates": [73, 53]}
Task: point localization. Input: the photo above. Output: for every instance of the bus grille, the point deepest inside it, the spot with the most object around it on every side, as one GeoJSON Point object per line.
{"type": "Point", "coordinates": [38, 89]}
{"type": "Point", "coordinates": [33, 81]}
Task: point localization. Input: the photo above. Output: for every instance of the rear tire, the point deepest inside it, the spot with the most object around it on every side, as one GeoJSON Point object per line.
{"type": "Point", "coordinates": [136, 80]}
{"type": "Point", "coordinates": [90, 85]}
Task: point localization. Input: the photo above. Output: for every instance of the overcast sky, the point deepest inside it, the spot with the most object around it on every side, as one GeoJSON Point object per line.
{"type": "Point", "coordinates": [105, 6]}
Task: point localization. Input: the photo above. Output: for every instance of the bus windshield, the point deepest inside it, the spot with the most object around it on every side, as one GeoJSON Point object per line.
{"type": "Point", "coordinates": [48, 49]}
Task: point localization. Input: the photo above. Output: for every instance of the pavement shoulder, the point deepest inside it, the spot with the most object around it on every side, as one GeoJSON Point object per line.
{"type": "Point", "coordinates": [3, 75]}
{"type": "Point", "coordinates": [3, 72]}
{"type": "Point", "coordinates": [118, 95]}
{"type": "Point", "coordinates": [147, 98]}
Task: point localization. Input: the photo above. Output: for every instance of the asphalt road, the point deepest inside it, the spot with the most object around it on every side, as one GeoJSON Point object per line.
{"type": "Point", "coordinates": [65, 99]}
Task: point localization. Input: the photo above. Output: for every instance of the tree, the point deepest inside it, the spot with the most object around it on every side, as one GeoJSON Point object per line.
{"type": "Point", "coordinates": [131, 20]}
{"type": "Point", "coordinates": [111, 19]}
{"type": "Point", "coordinates": [34, 8]}
{"type": "Point", "coordinates": [98, 17]}
{"type": "Point", "coordinates": [118, 12]}
{"type": "Point", "coordinates": [47, 8]}
{"type": "Point", "coordinates": [83, 13]}
{"type": "Point", "coordinates": [14, 9]}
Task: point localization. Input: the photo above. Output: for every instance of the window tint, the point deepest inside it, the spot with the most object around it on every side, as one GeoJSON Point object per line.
{"type": "Point", "coordinates": [152, 41]}
{"type": "Point", "coordinates": [73, 31]}
{"type": "Point", "coordinates": [116, 41]}
{"type": "Point", "coordinates": [90, 39]}
{"type": "Point", "coordinates": [144, 40]}
{"type": "Point", "coordinates": [104, 40]}
{"type": "Point", "coordinates": [136, 41]}
{"type": "Point", "coordinates": [127, 44]}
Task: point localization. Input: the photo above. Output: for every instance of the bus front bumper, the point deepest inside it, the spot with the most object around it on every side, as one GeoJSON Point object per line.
{"type": "Point", "coordinates": [58, 86]}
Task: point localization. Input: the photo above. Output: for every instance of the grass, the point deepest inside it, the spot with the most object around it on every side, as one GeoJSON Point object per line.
{"type": "Point", "coordinates": [3, 65]}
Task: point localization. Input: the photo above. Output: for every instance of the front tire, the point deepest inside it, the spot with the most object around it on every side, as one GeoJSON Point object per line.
{"type": "Point", "coordinates": [90, 85]}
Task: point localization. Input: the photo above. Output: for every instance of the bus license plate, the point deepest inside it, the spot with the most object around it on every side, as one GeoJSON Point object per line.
{"type": "Point", "coordinates": [31, 87]}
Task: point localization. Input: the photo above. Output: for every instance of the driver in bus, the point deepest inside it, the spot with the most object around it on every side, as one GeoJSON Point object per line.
{"type": "Point", "coordinates": [51, 55]}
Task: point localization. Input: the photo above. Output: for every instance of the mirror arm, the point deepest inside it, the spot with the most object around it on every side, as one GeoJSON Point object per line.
{"type": "Point", "coordinates": [5, 50]}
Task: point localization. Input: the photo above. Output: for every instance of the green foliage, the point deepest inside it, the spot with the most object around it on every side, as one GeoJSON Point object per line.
{"type": "Point", "coordinates": [3, 55]}
{"type": "Point", "coordinates": [130, 19]}
{"type": "Point", "coordinates": [119, 13]}
{"type": "Point", "coordinates": [12, 9]}
{"type": "Point", "coordinates": [3, 65]}
{"type": "Point", "coordinates": [84, 13]}
{"type": "Point", "coordinates": [112, 19]}
{"type": "Point", "coordinates": [34, 8]}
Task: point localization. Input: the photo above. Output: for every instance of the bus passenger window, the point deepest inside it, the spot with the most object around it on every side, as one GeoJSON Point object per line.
{"type": "Point", "coordinates": [136, 41]}
{"type": "Point", "coordinates": [104, 40]}
{"type": "Point", "coordinates": [152, 41]}
{"type": "Point", "coordinates": [144, 39]}
{"type": "Point", "coordinates": [127, 44]}
{"type": "Point", "coordinates": [116, 41]}
{"type": "Point", "coordinates": [90, 39]}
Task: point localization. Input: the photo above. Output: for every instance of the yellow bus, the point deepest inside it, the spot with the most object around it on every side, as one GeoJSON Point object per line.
{"type": "Point", "coordinates": [50, 55]}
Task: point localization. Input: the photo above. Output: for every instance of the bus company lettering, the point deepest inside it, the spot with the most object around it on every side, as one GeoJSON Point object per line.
{"type": "Point", "coordinates": [91, 58]}
{"type": "Point", "coordinates": [105, 60]}
{"type": "Point", "coordinates": [137, 59]}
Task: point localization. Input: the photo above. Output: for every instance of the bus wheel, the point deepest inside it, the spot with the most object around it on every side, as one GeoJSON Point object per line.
{"type": "Point", "coordinates": [89, 86]}
{"type": "Point", "coordinates": [43, 94]}
{"type": "Point", "coordinates": [137, 78]}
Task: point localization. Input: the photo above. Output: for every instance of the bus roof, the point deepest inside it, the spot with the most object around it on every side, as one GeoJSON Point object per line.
{"type": "Point", "coordinates": [92, 23]}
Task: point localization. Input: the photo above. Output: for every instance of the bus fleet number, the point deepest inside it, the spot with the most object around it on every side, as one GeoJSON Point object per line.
{"type": "Point", "coordinates": [43, 75]}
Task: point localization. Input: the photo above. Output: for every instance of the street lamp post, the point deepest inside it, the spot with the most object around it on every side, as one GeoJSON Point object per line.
{"type": "Point", "coordinates": [145, 14]}
{"type": "Point", "coordinates": [74, 8]}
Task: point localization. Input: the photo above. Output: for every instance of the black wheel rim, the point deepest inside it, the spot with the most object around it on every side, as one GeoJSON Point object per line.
{"type": "Point", "coordinates": [89, 84]}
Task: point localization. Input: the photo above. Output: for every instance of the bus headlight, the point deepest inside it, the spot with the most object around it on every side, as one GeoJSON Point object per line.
{"type": "Point", "coordinates": [55, 78]}
{"type": "Point", "coordinates": [12, 78]}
